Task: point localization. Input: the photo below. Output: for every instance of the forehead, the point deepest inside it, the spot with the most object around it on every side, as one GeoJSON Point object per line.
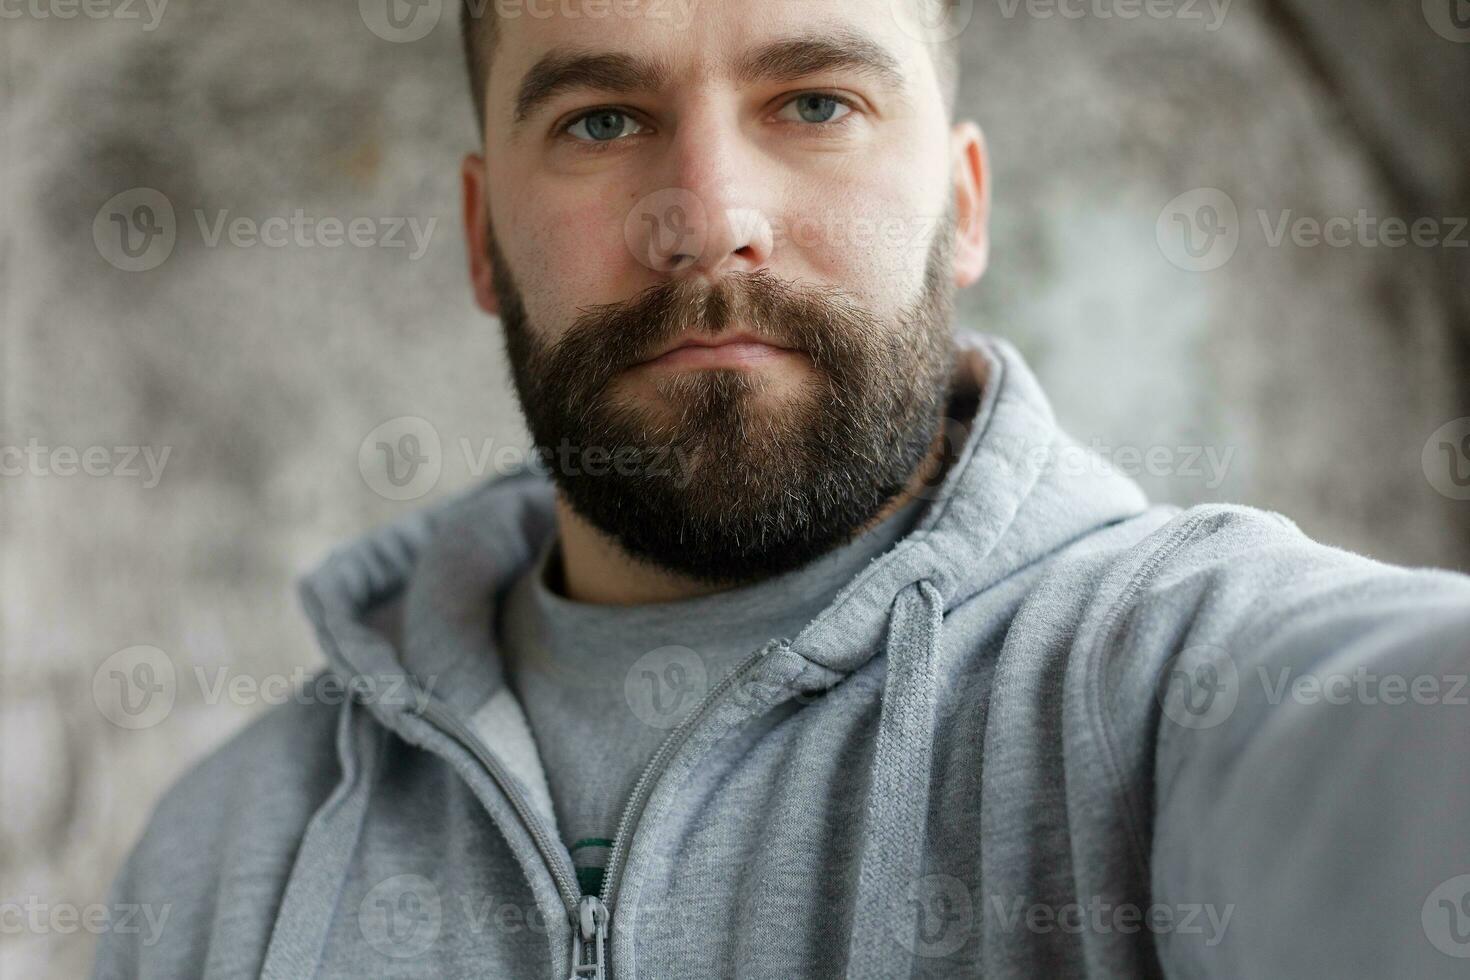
{"type": "Point", "coordinates": [692, 39]}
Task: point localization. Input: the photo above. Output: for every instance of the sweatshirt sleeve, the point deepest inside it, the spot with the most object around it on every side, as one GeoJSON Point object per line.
{"type": "Point", "coordinates": [117, 951]}
{"type": "Point", "coordinates": [1312, 799]}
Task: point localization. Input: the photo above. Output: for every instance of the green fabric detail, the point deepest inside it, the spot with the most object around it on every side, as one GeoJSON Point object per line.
{"type": "Point", "coordinates": [590, 880]}
{"type": "Point", "coordinates": [590, 877]}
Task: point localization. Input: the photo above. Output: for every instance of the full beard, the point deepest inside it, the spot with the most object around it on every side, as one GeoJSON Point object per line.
{"type": "Point", "coordinates": [725, 481]}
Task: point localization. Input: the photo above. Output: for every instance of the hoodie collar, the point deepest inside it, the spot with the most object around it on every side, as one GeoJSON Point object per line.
{"type": "Point", "coordinates": [1007, 500]}
{"type": "Point", "coordinates": [418, 596]}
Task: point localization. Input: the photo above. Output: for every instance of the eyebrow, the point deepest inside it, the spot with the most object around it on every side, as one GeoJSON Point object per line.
{"type": "Point", "coordinates": [562, 71]}
{"type": "Point", "coordinates": [787, 60]}
{"type": "Point", "coordinates": [792, 59]}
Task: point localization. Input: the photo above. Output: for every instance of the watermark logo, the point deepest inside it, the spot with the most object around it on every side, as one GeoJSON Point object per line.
{"type": "Point", "coordinates": [664, 684]}
{"type": "Point", "coordinates": [135, 688]}
{"type": "Point", "coordinates": [944, 916]}
{"type": "Point", "coordinates": [1446, 459]}
{"type": "Point", "coordinates": [401, 917]}
{"type": "Point", "coordinates": [401, 21]}
{"type": "Point", "coordinates": [667, 230]}
{"type": "Point", "coordinates": [1446, 917]}
{"type": "Point", "coordinates": [1199, 230]}
{"type": "Point", "coordinates": [934, 483]}
{"type": "Point", "coordinates": [1198, 687]}
{"type": "Point", "coordinates": [401, 459]}
{"type": "Point", "coordinates": [933, 21]}
{"type": "Point", "coordinates": [1450, 19]}
{"type": "Point", "coordinates": [135, 231]}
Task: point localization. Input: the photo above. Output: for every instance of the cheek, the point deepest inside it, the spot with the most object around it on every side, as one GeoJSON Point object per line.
{"type": "Point", "coordinates": [567, 248]}
{"type": "Point", "coordinates": [869, 230]}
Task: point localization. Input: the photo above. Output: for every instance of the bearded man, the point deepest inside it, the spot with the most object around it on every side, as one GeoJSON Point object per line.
{"type": "Point", "coordinates": [810, 646]}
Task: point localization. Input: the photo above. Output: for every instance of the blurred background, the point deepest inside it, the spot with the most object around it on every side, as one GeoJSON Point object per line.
{"type": "Point", "coordinates": [190, 409]}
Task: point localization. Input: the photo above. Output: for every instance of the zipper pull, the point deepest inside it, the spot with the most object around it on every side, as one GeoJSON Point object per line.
{"type": "Point", "coordinates": [589, 940]}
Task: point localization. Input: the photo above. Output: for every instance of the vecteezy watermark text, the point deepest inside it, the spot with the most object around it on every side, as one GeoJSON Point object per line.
{"type": "Point", "coordinates": [1200, 230]}
{"type": "Point", "coordinates": [35, 915]}
{"type": "Point", "coordinates": [1362, 230]}
{"type": "Point", "coordinates": [1209, 464]}
{"type": "Point", "coordinates": [301, 230]}
{"type": "Point", "coordinates": [947, 912]}
{"type": "Point", "coordinates": [137, 687]}
{"type": "Point", "coordinates": [127, 462]}
{"type": "Point", "coordinates": [121, 10]}
{"type": "Point", "coordinates": [1100, 917]}
{"type": "Point", "coordinates": [1201, 686]}
{"type": "Point", "coordinates": [405, 21]}
{"type": "Point", "coordinates": [137, 230]}
{"type": "Point", "coordinates": [1211, 13]}
{"type": "Point", "coordinates": [403, 458]}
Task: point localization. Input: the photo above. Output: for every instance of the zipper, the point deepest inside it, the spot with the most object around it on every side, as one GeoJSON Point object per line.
{"type": "Point", "coordinates": [552, 852]}
{"type": "Point", "coordinates": [589, 940]}
{"type": "Point", "coordinates": [643, 789]}
{"type": "Point", "coordinates": [590, 915]}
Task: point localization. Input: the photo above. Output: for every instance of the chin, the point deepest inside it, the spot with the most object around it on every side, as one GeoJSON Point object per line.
{"type": "Point", "coordinates": [687, 392]}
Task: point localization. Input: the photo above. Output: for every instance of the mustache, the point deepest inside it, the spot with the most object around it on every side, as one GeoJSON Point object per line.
{"type": "Point", "coordinates": [820, 321]}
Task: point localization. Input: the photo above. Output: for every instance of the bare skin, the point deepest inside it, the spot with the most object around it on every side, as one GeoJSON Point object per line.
{"type": "Point", "coordinates": [775, 190]}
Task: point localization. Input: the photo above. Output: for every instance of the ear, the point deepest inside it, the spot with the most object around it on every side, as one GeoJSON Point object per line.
{"type": "Point", "coordinates": [476, 204]}
{"type": "Point", "coordinates": [971, 168]}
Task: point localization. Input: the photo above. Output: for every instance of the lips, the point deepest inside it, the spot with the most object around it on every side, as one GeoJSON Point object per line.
{"type": "Point", "coordinates": [731, 350]}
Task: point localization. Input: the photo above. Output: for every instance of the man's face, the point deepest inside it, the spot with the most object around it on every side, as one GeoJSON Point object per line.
{"type": "Point", "coordinates": [720, 238]}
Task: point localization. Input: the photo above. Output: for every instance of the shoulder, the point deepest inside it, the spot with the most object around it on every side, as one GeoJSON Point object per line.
{"type": "Point", "coordinates": [220, 843]}
{"type": "Point", "coordinates": [1229, 562]}
{"type": "Point", "coordinates": [289, 752]}
{"type": "Point", "coordinates": [1306, 710]}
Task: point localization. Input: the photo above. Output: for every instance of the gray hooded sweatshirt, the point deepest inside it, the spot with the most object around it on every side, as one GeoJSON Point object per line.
{"type": "Point", "coordinates": [1053, 732]}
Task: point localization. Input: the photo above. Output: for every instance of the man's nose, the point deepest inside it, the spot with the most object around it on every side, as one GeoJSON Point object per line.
{"type": "Point", "coordinates": [711, 216]}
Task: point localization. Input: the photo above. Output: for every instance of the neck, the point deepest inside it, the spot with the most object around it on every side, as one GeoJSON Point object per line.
{"type": "Point", "coordinates": [596, 569]}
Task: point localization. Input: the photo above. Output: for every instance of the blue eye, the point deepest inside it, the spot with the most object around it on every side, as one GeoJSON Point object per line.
{"type": "Point", "coordinates": [604, 126]}
{"type": "Point", "coordinates": [816, 108]}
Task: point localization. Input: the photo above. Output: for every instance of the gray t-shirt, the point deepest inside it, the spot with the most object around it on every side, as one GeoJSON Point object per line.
{"type": "Point", "coordinates": [603, 685]}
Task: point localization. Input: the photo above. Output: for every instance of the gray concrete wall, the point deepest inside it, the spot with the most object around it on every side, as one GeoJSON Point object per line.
{"type": "Point", "coordinates": [1315, 374]}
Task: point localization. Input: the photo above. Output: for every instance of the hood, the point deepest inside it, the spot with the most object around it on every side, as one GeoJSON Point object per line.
{"type": "Point", "coordinates": [410, 607]}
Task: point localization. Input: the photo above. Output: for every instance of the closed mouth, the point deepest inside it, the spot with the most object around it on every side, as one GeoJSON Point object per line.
{"type": "Point", "coordinates": [725, 350]}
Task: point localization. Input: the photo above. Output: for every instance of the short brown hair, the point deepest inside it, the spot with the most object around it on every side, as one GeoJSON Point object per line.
{"type": "Point", "coordinates": [477, 30]}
